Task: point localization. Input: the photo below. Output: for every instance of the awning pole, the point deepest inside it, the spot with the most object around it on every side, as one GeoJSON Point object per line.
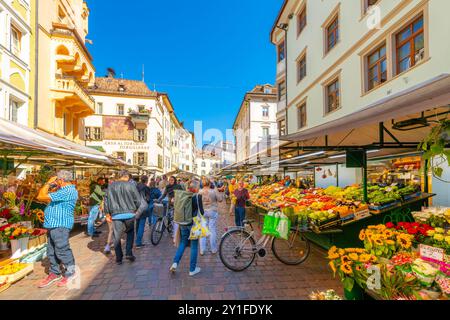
{"type": "Point", "coordinates": [366, 196]}
{"type": "Point", "coordinates": [426, 181]}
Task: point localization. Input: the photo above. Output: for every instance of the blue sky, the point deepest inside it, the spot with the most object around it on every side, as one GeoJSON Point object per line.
{"type": "Point", "coordinates": [204, 53]}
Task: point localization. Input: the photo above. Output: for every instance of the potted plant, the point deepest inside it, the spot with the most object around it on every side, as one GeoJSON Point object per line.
{"type": "Point", "coordinates": [434, 147]}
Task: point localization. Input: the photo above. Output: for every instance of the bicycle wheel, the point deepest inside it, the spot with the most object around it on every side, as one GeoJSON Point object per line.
{"type": "Point", "coordinates": [157, 232]}
{"type": "Point", "coordinates": [236, 250]}
{"type": "Point", "coordinates": [293, 251]}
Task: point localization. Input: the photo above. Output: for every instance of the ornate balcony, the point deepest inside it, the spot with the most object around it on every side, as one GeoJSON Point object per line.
{"type": "Point", "coordinates": [70, 94]}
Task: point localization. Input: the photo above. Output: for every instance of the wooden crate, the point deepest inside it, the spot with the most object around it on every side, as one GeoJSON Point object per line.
{"type": "Point", "coordinates": [12, 278]}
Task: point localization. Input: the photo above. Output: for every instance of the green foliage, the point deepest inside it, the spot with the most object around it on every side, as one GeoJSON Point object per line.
{"type": "Point", "coordinates": [434, 145]}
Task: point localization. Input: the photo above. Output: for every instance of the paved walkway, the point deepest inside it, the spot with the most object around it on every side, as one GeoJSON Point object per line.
{"type": "Point", "coordinates": [148, 277]}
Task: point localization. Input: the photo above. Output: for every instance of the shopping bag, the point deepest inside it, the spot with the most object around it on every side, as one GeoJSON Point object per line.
{"type": "Point", "coordinates": [177, 235]}
{"type": "Point", "coordinates": [276, 221]}
{"type": "Point", "coordinates": [268, 227]}
{"type": "Point", "coordinates": [199, 228]}
{"type": "Point", "coordinates": [283, 228]}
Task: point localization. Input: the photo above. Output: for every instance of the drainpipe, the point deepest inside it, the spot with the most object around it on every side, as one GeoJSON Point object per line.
{"type": "Point", "coordinates": [36, 65]}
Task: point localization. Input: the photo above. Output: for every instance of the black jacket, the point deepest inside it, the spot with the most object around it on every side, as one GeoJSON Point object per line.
{"type": "Point", "coordinates": [123, 197]}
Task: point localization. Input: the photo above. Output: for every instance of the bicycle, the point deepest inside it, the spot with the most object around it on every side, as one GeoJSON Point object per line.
{"type": "Point", "coordinates": [238, 248]}
{"type": "Point", "coordinates": [164, 222]}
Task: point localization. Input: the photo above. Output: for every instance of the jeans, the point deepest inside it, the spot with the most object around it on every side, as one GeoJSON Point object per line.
{"type": "Point", "coordinates": [120, 227]}
{"type": "Point", "coordinates": [140, 225]}
{"type": "Point", "coordinates": [211, 219]}
{"type": "Point", "coordinates": [239, 216]}
{"type": "Point", "coordinates": [93, 214]}
{"type": "Point", "coordinates": [184, 242]}
{"type": "Point", "coordinates": [58, 251]}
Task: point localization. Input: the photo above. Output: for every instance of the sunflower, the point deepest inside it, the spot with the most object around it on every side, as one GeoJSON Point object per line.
{"type": "Point", "coordinates": [358, 268]}
{"type": "Point", "coordinates": [389, 233]}
{"type": "Point", "coordinates": [378, 242]}
{"type": "Point", "coordinates": [333, 256]}
{"type": "Point", "coordinates": [353, 256]}
{"type": "Point", "coordinates": [390, 242]}
{"type": "Point", "coordinates": [404, 241]}
{"type": "Point", "coordinates": [364, 258]}
{"type": "Point", "coordinates": [341, 252]}
{"type": "Point", "coordinates": [346, 268]}
{"type": "Point", "coordinates": [360, 251]}
{"type": "Point", "coordinates": [345, 259]}
{"type": "Point", "coordinates": [362, 235]}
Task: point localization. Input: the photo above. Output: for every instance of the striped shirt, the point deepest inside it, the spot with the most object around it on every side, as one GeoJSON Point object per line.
{"type": "Point", "coordinates": [60, 211]}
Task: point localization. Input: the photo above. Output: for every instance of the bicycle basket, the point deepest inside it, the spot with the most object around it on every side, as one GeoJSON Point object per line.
{"type": "Point", "coordinates": [158, 210]}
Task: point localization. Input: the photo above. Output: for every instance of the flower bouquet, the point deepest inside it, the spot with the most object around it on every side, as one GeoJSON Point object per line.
{"type": "Point", "coordinates": [418, 230]}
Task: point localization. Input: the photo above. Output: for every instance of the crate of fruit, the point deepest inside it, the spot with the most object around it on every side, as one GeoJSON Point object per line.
{"type": "Point", "coordinates": [15, 271]}
{"type": "Point", "coordinates": [378, 207]}
{"type": "Point", "coordinates": [411, 196]}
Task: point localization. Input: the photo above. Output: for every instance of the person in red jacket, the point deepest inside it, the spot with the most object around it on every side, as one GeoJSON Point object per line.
{"type": "Point", "coordinates": [242, 196]}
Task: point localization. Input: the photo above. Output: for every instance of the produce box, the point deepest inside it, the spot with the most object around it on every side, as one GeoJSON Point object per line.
{"type": "Point", "coordinates": [411, 196]}
{"type": "Point", "coordinates": [327, 224]}
{"type": "Point", "coordinates": [362, 214]}
{"type": "Point", "coordinates": [12, 278]}
{"type": "Point", "coordinates": [4, 286]}
{"type": "Point", "coordinates": [377, 208]}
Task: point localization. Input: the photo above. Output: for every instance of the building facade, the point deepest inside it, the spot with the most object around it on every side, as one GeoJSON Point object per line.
{"type": "Point", "coordinates": [335, 58]}
{"type": "Point", "coordinates": [17, 43]}
{"type": "Point", "coordinates": [255, 126]}
{"type": "Point", "coordinates": [65, 70]}
{"type": "Point", "coordinates": [206, 163]}
{"type": "Point", "coordinates": [128, 122]}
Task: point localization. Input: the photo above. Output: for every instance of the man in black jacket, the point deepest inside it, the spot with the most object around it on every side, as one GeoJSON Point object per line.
{"type": "Point", "coordinates": [122, 205]}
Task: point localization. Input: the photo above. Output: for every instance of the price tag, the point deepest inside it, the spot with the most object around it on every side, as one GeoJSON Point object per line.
{"type": "Point", "coordinates": [432, 253]}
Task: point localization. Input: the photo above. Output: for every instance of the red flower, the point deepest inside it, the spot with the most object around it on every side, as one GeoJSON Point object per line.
{"type": "Point", "coordinates": [11, 238]}
{"type": "Point", "coordinates": [4, 227]}
{"type": "Point", "coordinates": [412, 231]}
{"type": "Point", "coordinates": [390, 225]}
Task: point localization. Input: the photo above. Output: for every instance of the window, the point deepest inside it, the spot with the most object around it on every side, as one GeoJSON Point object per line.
{"type": "Point", "coordinates": [265, 132]}
{"type": "Point", "coordinates": [369, 3]}
{"type": "Point", "coordinates": [65, 124]}
{"type": "Point", "coordinates": [120, 109]}
{"type": "Point", "coordinates": [376, 67]}
{"type": "Point", "coordinates": [302, 116]}
{"type": "Point", "coordinates": [159, 140]}
{"type": "Point", "coordinates": [332, 34]}
{"type": "Point", "coordinates": [99, 108]}
{"type": "Point", "coordinates": [265, 111]}
{"type": "Point", "coordinates": [141, 135]}
{"type": "Point", "coordinates": [301, 68]}
{"type": "Point", "coordinates": [282, 127]}
{"type": "Point", "coordinates": [13, 110]}
{"type": "Point", "coordinates": [122, 156]}
{"type": "Point", "coordinates": [141, 159]}
{"type": "Point", "coordinates": [160, 161]}
{"type": "Point", "coordinates": [203, 164]}
{"type": "Point", "coordinates": [410, 46]}
{"type": "Point", "coordinates": [97, 136]}
{"type": "Point", "coordinates": [281, 52]}
{"type": "Point", "coordinates": [333, 96]}
{"type": "Point", "coordinates": [301, 21]}
{"type": "Point", "coordinates": [282, 91]}
{"type": "Point", "coordinates": [142, 109]}
{"type": "Point", "coordinates": [87, 133]}
{"type": "Point", "coordinates": [203, 172]}
{"type": "Point", "coordinates": [16, 38]}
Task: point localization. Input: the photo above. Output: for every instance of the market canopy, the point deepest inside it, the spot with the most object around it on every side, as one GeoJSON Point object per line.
{"type": "Point", "coordinates": [20, 141]}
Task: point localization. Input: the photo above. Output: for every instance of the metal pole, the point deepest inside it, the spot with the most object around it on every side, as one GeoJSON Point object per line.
{"type": "Point", "coordinates": [366, 196]}
{"type": "Point", "coordinates": [426, 182]}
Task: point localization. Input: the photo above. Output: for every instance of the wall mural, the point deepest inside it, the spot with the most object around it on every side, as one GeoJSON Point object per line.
{"type": "Point", "coordinates": [117, 128]}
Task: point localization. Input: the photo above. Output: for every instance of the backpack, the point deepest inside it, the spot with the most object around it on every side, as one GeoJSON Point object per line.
{"type": "Point", "coordinates": [183, 208]}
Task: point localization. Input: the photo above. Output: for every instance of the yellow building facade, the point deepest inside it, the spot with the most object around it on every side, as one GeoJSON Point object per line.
{"type": "Point", "coordinates": [65, 70]}
{"type": "Point", "coordinates": [16, 58]}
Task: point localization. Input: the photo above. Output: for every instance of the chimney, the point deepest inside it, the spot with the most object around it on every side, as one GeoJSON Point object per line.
{"type": "Point", "coordinates": [111, 73]}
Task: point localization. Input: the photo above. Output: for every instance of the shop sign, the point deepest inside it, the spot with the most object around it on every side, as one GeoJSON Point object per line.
{"type": "Point", "coordinates": [432, 253]}
{"type": "Point", "coordinates": [127, 145]}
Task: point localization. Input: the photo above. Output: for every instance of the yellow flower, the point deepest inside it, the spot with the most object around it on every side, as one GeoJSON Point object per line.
{"type": "Point", "coordinates": [431, 233]}
{"type": "Point", "coordinates": [333, 256]}
{"type": "Point", "coordinates": [404, 240]}
{"type": "Point", "coordinates": [345, 259]}
{"type": "Point", "coordinates": [390, 242]}
{"type": "Point", "coordinates": [353, 256]}
{"type": "Point", "coordinates": [341, 252]}
{"type": "Point", "coordinates": [439, 230]}
{"type": "Point", "coordinates": [332, 266]}
{"type": "Point", "coordinates": [358, 268]}
{"type": "Point", "coordinates": [333, 249]}
{"type": "Point", "coordinates": [378, 242]}
{"type": "Point", "coordinates": [364, 258]}
{"type": "Point", "coordinates": [360, 251]}
{"type": "Point", "coordinates": [439, 237]}
{"type": "Point", "coordinates": [362, 235]}
{"type": "Point", "coordinates": [447, 239]}
{"type": "Point", "coordinates": [388, 233]}
{"type": "Point", "coordinates": [346, 268]}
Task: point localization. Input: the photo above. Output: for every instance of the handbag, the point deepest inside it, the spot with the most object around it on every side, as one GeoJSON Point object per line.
{"type": "Point", "coordinates": [200, 226]}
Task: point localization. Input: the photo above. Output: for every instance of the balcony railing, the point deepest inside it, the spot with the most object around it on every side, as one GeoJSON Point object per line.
{"type": "Point", "coordinates": [71, 86]}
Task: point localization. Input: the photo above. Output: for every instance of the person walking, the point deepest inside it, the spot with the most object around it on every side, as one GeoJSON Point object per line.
{"type": "Point", "coordinates": [185, 231]}
{"type": "Point", "coordinates": [163, 183]}
{"type": "Point", "coordinates": [95, 201]}
{"type": "Point", "coordinates": [242, 196]}
{"type": "Point", "coordinates": [144, 191]}
{"type": "Point", "coordinates": [211, 198]}
{"type": "Point", "coordinates": [155, 194]}
{"type": "Point", "coordinates": [122, 205]}
{"type": "Point", "coordinates": [59, 220]}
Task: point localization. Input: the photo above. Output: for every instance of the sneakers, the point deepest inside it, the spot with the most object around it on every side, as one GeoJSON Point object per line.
{"type": "Point", "coordinates": [214, 252]}
{"type": "Point", "coordinates": [196, 271]}
{"type": "Point", "coordinates": [51, 279]}
{"type": "Point", "coordinates": [174, 267]}
{"type": "Point", "coordinates": [64, 281]}
{"type": "Point", "coordinates": [202, 253]}
{"type": "Point", "coordinates": [131, 258]}
{"type": "Point", "coordinates": [139, 246]}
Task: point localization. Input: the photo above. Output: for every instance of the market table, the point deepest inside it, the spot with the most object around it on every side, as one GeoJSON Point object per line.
{"type": "Point", "coordinates": [347, 235]}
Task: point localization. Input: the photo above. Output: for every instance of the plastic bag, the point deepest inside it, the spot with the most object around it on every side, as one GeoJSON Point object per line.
{"type": "Point", "coordinates": [200, 228]}
{"type": "Point", "coordinates": [268, 227]}
{"type": "Point", "coordinates": [283, 228]}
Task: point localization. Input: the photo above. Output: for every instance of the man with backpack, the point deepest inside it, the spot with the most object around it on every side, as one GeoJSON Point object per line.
{"type": "Point", "coordinates": [188, 204]}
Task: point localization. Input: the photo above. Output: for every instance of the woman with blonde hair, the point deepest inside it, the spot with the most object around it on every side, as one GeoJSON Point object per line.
{"type": "Point", "coordinates": [211, 197]}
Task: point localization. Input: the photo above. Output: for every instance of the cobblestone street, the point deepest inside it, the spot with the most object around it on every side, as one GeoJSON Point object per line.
{"type": "Point", "coordinates": [149, 278]}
